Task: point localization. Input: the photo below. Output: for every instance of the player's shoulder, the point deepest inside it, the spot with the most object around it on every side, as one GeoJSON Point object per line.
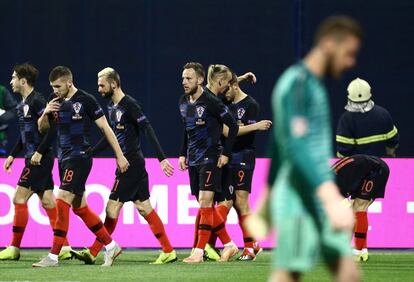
{"type": "Point", "coordinates": [209, 97]}
{"type": "Point", "coordinates": [183, 99]}
{"type": "Point", "coordinates": [251, 102]}
{"type": "Point", "coordinates": [130, 102]}
{"type": "Point", "coordinates": [83, 95]}
{"type": "Point", "coordinates": [37, 97]}
{"type": "Point", "coordinates": [293, 77]}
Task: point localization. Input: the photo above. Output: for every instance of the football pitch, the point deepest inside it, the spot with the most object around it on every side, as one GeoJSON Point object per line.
{"type": "Point", "coordinates": [133, 265]}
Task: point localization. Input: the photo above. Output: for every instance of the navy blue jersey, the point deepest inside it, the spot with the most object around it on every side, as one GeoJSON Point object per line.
{"type": "Point", "coordinates": [28, 112]}
{"type": "Point", "coordinates": [203, 121]}
{"type": "Point", "coordinates": [245, 112]}
{"type": "Point", "coordinates": [74, 120]}
{"type": "Point", "coordinates": [352, 171]}
{"type": "Point", "coordinates": [128, 122]}
{"type": "Point", "coordinates": [366, 133]}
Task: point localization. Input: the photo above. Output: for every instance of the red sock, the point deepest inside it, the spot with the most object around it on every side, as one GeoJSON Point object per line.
{"type": "Point", "coordinates": [223, 211]}
{"type": "Point", "coordinates": [197, 222]}
{"type": "Point", "coordinates": [110, 224]}
{"type": "Point", "coordinates": [361, 229]}
{"type": "Point", "coordinates": [52, 213]}
{"type": "Point", "coordinates": [21, 216]}
{"type": "Point", "coordinates": [157, 227]}
{"type": "Point", "coordinates": [219, 227]}
{"type": "Point", "coordinates": [61, 227]}
{"type": "Point", "coordinates": [247, 238]}
{"type": "Point", "coordinates": [204, 227]}
{"type": "Point", "coordinates": [94, 224]}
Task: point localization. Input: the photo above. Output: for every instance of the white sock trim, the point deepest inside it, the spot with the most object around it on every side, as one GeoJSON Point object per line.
{"type": "Point", "coordinates": [53, 257]}
{"type": "Point", "coordinates": [110, 245]}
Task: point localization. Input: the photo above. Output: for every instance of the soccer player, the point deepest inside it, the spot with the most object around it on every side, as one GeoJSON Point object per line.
{"type": "Point", "coordinates": [203, 115]}
{"type": "Point", "coordinates": [238, 174]}
{"type": "Point", "coordinates": [73, 111]}
{"type": "Point", "coordinates": [128, 123]}
{"type": "Point", "coordinates": [306, 203]}
{"type": "Point", "coordinates": [36, 176]}
{"type": "Point", "coordinates": [220, 80]}
{"type": "Point", "coordinates": [362, 178]}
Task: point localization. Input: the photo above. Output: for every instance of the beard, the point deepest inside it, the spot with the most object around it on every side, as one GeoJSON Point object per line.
{"type": "Point", "coordinates": [192, 91]}
{"type": "Point", "coordinates": [108, 94]}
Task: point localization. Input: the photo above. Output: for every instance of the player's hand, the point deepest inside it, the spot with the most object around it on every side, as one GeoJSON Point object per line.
{"type": "Point", "coordinates": [340, 216]}
{"type": "Point", "coordinates": [182, 164]}
{"type": "Point", "coordinates": [52, 106]}
{"type": "Point", "coordinates": [7, 164]}
{"type": "Point", "coordinates": [167, 168]}
{"type": "Point", "coordinates": [36, 158]}
{"type": "Point", "coordinates": [122, 164]}
{"type": "Point", "coordinates": [248, 76]}
{"type": "Point", "coordinates": [222, 161]}
{"type": "Point", "coordinates": [263, 125]}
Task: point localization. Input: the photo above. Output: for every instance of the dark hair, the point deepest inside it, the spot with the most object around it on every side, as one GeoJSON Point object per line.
{"type": "Point", "coordinates": [339, 27]}
{"type": "Point", "coordinates": [27, 71]}
{"type": "Point", "coordinates": [234, 79]}
{"type": "Point", "coordinates": [197, 67]}
{"type": "Point", "coordinates": [111, 75]}
{"type": "Point", "coordinates": [58, 72]}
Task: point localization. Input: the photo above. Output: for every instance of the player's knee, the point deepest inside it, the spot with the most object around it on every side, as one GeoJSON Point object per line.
{"type": "Point", "coordinates": [242, 206]}
{"type": "Point", "coordinates": [48, 203]}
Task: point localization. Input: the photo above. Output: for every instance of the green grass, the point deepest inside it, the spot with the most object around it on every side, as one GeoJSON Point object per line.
{"type": "Point", "coordinates": [134, 265]}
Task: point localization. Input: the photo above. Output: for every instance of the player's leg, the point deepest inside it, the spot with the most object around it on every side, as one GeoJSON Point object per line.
{"type": "Point", "coordinates": [157, 227]}
{"type": "Point", "coordinates": [49, 204]}
{"type": "Point", "coordinates": [95, 225]}
{"type": "Point", "coordinates": [63, 204]}
{"type": "Point", "coordinates": [20, 219]}
{"type": "Point", "coordinates": [345, 270]}
{"type": "Point", "coordinates": [251, 247]}
{"type": "Point", "coordinates": [337, 253]}
{"type": "Point", "coordinates": [284, 276]}
{"type": "Point", "coordinates": [205, 199]}
{"type": "Point", "coordinates": [360, 208]}
{"type": "Point", "coordinates": [88, 255]}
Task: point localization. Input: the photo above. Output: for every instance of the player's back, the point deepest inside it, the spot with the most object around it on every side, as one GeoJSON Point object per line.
{"type": "Point", "coordinates": [302, 130]}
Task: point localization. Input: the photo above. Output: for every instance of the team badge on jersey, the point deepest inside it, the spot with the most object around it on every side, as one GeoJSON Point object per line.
{"type": "Point", "coordinates": [118, 116]}
{"type": "Point", "coordinates": [200, 111]}
{"type": "Point", "coordinates": [240, 114]}
{"type": "Point", "coordinates": [26, 113]}
{"type": "Point", "coordinates": [77, 107]}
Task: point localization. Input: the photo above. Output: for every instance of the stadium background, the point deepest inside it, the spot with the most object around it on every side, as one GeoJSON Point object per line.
{"type": "Point", "coordinates": [148, 41]}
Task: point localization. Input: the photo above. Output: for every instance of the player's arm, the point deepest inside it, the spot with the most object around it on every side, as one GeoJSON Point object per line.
{"type": "Point", "coordinates": [141, 121]}
{"type": "Point", "coordinates": [345, 141]}
{"type": "Point", "coordinates": [48, 138]}
{"type": "Point", "coordinates": [223, 114]}
{"type": "Point", "coordinates": [17, 148]}
{"type": "Point", "coordinates": [103, 125]}
{"type": "Point", "coordinates": [248, 76]}
{"type": "Point", "coordinates": [43, 123]}
{"type": "Point", "coordinates": [182, 160]}
{"type": "Point", "coordinates": [100, 146]}
{"type": "Point", "coordinates": [252, 124]}
{"type": "Point", "coordinates": [262, 125]}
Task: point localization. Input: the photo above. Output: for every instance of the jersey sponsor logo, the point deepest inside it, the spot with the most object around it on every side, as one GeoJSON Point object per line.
{"type": "Point", "coordinates": [26, 113]}
{"type": "Point", "coordinates": [299, 127]}
{"type": "Point", "coordinates": [77, 107]}
{"type": "Point", "coordinates": [240, 112]}
{"type": "Point", "coordinates": [200, 112]}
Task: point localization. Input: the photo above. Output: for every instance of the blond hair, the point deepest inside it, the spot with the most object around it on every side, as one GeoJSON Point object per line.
{"type": "Point", "coordinates": [218, 71]}
{"type": "Point", "coordinates": [111, 75]}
